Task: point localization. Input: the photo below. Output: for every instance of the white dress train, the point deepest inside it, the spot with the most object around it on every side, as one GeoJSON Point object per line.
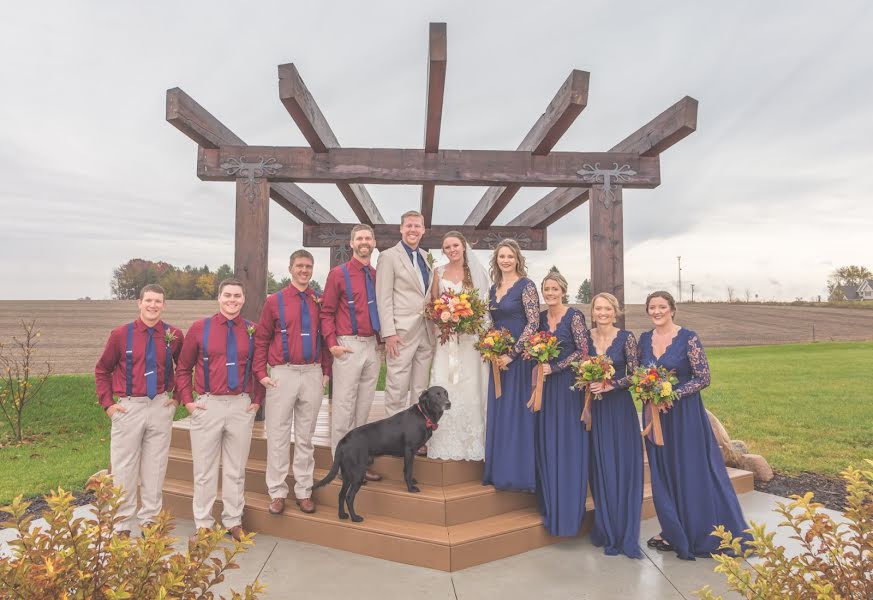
{"type": "Point", "coordinates": [458, 367]}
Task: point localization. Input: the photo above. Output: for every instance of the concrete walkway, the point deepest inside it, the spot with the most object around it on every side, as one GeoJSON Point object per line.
{"type": "Point", "coordinates": [573, 569]}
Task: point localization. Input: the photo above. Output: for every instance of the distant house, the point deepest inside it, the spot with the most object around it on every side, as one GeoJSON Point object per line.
{"type": "Point", "coordinates": [859, 292]}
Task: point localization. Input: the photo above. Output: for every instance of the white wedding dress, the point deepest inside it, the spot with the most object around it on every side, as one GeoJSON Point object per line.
{"type": "Point", "coordinates": [458, 367]}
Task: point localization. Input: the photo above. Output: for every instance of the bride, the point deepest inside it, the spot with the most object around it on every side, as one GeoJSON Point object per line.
{"type": "Point", "coordinates": [457, 365]}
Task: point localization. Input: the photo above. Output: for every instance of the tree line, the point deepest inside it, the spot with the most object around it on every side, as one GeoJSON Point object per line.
{"type": "Point", "coordinates": [851, 275]}
{"type": "Point", "coordinates": [179, 283]}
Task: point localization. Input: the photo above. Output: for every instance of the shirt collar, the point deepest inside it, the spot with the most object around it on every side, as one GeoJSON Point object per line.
{"type": "Point", "coordinates": [408, 249]}
{"type": "Point", "coordinates": [354, 263]}
{"type": "Point", "coordinates": [220, 318]}
{"type": "Point", "coordinates": [139, 325]}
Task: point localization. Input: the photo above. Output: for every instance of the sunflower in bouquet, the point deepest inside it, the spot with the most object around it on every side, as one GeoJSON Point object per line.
{"type": "Point", "coordinates": [597, 369]}
{"type": "Point", "coordinates": [541, 347]}
{"type": "Point", "coordinates": [654, 387]}
{"type": "Point", "coordinates": [456, 314]}
{"type": "Point", "coordinates": [493, 344]}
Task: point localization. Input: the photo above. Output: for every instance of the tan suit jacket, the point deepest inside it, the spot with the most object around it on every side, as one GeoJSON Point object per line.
{"type": "Point", "coordinates": [400, 294]}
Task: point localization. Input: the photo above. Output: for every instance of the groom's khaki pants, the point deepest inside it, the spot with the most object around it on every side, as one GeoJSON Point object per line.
{"type": "Point", "coordinates": [354, 386]}
{"type": "Point", "coordinates": [297, 400]}
{"type": "Point", "coordinates": [220, 432]}
{"type": "Point", "coordinates": [138, 450]}
{"type": "Point", "coordinates": [408, 373]}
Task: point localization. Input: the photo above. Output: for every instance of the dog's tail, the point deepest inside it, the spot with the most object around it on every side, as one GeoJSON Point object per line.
{"type": "Point", "coordinates": [334, 469]}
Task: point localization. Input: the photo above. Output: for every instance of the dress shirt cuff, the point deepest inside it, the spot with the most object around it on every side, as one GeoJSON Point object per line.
{"type": "Point", "coordinates": [106, 402]}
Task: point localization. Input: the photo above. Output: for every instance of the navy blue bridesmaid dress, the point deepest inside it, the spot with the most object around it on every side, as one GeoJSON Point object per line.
{"type": "Point", "coordinates": [617, 456]}
{"type": "Point", "coordinates": [562, 444]}
{"type": "Point", "coordinates": [509, 424]}
{"type": "Point", "coordinates": [690, 485]}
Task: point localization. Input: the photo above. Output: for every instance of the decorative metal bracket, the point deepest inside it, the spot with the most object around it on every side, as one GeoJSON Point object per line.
{"type": "Point", "coordinates": [606, 176]}
{"type": "Point", "coordinates": [251, 171]}
{"type": "Point", "coordinates": [493, 238]}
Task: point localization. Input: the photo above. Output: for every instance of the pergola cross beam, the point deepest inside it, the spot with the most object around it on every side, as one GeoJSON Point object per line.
{"type": "Point", "coordinates": [303, 109]}
{"type": "Point", "coordinates": [567, 104]}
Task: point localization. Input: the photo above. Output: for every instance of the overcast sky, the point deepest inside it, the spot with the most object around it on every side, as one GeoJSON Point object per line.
{"type": "Point", "coordinates": [770, 194]}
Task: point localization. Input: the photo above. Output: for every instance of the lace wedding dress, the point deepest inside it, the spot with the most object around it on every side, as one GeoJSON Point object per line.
{"type": "Point", "coordinates": [458, 367]}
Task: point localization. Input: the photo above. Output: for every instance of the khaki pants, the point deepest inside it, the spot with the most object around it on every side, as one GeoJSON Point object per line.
{"type": "Point", "coordinates": [297, 400]}
{"type": "Point", "coordinates": [408, 374]}
{"type": "Point", "coordinates": [354, 386]}
{"type": "Point", "coordinates": [138, 451]}
{"type": "Point", "coordinates": [220, 433]}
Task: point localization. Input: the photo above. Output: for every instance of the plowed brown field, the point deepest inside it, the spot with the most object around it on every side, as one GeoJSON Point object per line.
{"type": "Point", "coordinates": [74, 331]}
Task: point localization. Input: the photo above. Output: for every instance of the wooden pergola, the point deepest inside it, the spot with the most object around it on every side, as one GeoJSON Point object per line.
{"type": "Point", "coordinates": [265, 172]}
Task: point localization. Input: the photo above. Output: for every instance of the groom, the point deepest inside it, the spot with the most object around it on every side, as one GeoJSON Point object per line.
{"type": "Point", "coordinates": [403, 278]}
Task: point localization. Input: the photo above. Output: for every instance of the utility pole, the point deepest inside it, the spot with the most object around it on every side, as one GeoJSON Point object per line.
{"type": "Point", "coordinates": [692, 292]}
{"type": "Point", "coordinates": [679, 260]}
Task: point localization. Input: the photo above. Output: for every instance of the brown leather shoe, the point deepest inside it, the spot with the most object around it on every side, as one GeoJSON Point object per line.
{"type": "Point", "coordinates": [277, 506]}
{"type": "Point", "coordinates": [236, 532]}
{"type": "Point", "coordinates": [306, 505]}
{"type": "Point", "coordinates": [371, 476]}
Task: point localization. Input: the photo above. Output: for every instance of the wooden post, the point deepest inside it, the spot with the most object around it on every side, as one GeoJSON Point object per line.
{"type": "Point", "coordinates": [607, 244]}
{"type": "Point", "coordinates": [252, 237]}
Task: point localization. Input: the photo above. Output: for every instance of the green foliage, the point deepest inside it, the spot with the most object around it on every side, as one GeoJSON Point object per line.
{"type": "Point", "coordinates": [20, 384]}
{"type": "Point", "coordinates": [850, 275]}
{"type": "Point", "coordinates": [835, 559]}
{"type": "Point", "coordinates": [76, 557]}
{"type": "Point", "coordinates": [583, 296]}
{"type": "Point", "coordinates": [128, 279]}
{"type": "Point", "coordinates": [274, 285]}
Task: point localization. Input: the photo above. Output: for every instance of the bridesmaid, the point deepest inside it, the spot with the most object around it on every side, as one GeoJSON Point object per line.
{"type": "Point", "coordinates": [509, 425]}
{"type": "Point", "coordinates": [616, 445]}
{"type": "Point", "coordinates": [562, 442]}
{"type": "Point", "coordinates": [690, 485]}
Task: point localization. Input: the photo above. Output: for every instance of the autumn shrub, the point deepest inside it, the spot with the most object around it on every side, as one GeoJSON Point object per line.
{"type": "Point", "coordinates": [835, 559]}
{"type": "Point", "coordinates": [82, 557]}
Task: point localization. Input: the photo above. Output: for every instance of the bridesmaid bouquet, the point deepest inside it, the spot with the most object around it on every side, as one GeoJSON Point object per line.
{"type": "Point", "coordinates": [493, 344]}
{"type": "Point", "coordinates": [540, 347]}
{"type": "Point", "coordinates": [456, 314]}
{"type": "Point", "coordinates": [597, 369]}
{"type": "Point", "coordinates": [653, 386]}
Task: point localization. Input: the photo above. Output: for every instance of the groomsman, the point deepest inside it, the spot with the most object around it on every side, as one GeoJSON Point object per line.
{"type": "Point", "coordinates": [402, 284]}
{"type": "Point", "coordinates": [350, 323]}
{"type": "Point", "coordinates": [288, 339]}
{"type": "Point", "coordinates": [219, 350]}
{"type": "Point", "coordinates": [137, 367]}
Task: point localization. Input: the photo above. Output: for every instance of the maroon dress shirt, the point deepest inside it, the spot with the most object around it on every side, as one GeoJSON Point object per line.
{"type": "Point", "coordinates": [335, 318]}
{"type": "Point", "coordinates": [110, 374]}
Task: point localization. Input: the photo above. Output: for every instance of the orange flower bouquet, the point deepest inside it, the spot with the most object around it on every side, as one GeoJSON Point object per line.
{"type": "Point", "coordinates": [653, 386]}
{"type": "Point", "coordinates": [541, 347]}
{"type": "Point", "coordinates": [597, 369]}
{"type": "Point", "coordinates": [456, 314]}
{"type": "Point", "coordinates": [493, 344]}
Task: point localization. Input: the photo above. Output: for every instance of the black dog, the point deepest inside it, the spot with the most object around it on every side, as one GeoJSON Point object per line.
{"type": "Point", "coordinates": [400, 435]}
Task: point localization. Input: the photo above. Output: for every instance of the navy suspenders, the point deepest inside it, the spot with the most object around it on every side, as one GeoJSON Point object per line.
{"type": "Point", "coordinates": [283, 330]}
{"type": "Point", "coordinates": [128, 361]}
{"type": "Point", "coordinates": [204, 346]}
{"type": "Point", "coordinates": [350, 299]}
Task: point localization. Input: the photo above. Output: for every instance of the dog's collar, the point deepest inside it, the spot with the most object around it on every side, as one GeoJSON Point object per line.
{"type": "Point", "coordinates": [428, 422]}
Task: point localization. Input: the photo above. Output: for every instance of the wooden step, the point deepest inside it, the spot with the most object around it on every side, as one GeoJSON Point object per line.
{"type": "Point", "coordinates": [433, 546]}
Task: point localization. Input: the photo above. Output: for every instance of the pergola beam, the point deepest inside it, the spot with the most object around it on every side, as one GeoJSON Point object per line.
{"type": "Point", "coordinates": [394, 166]}
{"type": "Point", "coordinates": [656, 136]}
{"type": "Point", "coordinates": [436, 85]}
{"type": "Point", "coordinates": [303, 109]}
{"type": "Point", "coordinates": [387, 235]}
{"type": "Point", "coordinates": [186, 115]}
{"type": "Point", "coordinates": [570, 100]}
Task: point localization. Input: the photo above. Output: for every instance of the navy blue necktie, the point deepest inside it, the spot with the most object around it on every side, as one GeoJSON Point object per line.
{"type": "Point", "coordinates": [232, 372]}
{"type": "Point", "coordinates": [305, 328]}
{"type": "Point", "coordinates": [371, 301]}
{"type": "Point", "coordinates": [422, 266]}
{"type": "Point", "coordinates": [151, 365]}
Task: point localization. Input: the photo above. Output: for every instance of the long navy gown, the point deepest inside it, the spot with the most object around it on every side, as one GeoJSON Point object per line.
{"type": "Point", "coordinates": [617, 456]}
{"type": "Point", "coordinates": [509, 424]}
{"type": "Point", "coordinates": [690, 485]}
{"type": "Point", "coordinates": [562, 444]}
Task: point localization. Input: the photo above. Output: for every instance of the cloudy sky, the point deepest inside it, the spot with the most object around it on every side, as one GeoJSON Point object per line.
{"type": "Point", "coordinates": [769, 195]}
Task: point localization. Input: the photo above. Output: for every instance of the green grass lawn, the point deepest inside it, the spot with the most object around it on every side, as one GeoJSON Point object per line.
{"type": "Point", "coordinates": [805, 407]}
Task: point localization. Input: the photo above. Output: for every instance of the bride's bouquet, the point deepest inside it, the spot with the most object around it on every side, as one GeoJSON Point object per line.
{"type": "Point", "coordinates": [597, 369]}
{"type": "Point", "coordinates": [456, 314]}
{"type": "Point", "coordinates": [653, 386]}
{"type": "Point", "coordinates": [541, 347]}
{"type": "Point", "coordinates": [493, 344]}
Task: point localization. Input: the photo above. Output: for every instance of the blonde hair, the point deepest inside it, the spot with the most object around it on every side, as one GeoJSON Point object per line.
{"type": "Point", "coordinates": [555, 275]}
{"type": "Point", "coordinates": [612, 300]}
{"type": "Point", "coordinates": [520, 268]}
{"type": "Point", "coordinates": [468, 276]}
{"type": "Point", "coordinates": [411, 213]}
